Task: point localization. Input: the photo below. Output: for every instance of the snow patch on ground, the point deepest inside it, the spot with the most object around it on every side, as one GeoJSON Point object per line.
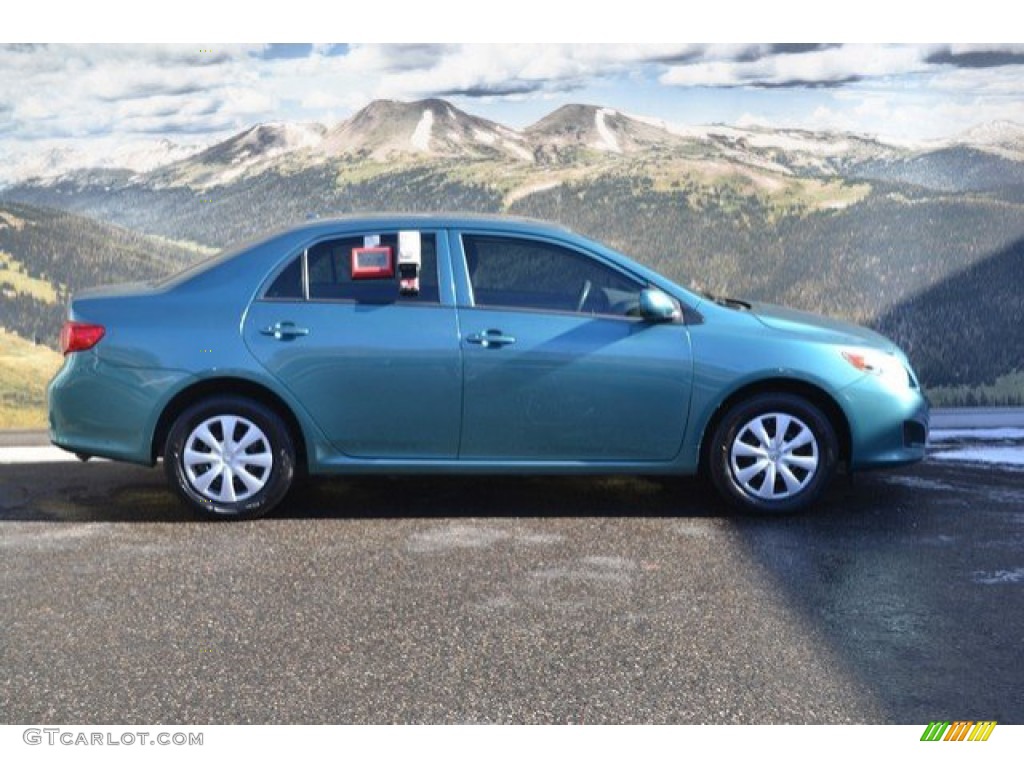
{"type": "Point", "coordinates": [421, 136]}
{"type": "Point", "coordinates": [919, 483]}
{"type": "Point", "coordinates": [1006, 455]}
{"type": "Point", "coordinates": [608, 140]}
{"type": "Point", "coordinates": [1016, 576]}
{"type": "Point", "coordinates": [996, 433]}
{"type": "Point", "coordinates": [987, 445]}
{"type": "Point", "coordinates": [36, 454]}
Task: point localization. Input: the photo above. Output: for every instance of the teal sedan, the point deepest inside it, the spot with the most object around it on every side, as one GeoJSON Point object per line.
{"type": "Point", "coordinates": [468, 344]}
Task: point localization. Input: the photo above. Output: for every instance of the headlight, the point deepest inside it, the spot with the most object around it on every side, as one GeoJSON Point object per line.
{"type": "Point", "coordinates": [887, 367]}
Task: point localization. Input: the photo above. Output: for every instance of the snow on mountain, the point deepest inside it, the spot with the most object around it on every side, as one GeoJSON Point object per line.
{"type": "Point", "coordinates": [433, 128]}
{"type": "Point", "coordinates": [792, 149]}
{"type": "Point", "coordinates": [245, 153]}
{"type": "Point", "coordinates": [42, 164]}
{"type": "Point", "coordinates": [1001, 137]}
{"type": "Point", "coordinates": [268, 140]}
{"type": "Point", "coordinates": [53, 160]}
{"type": "Point", "coordinates": [143, 156]}
{"type": "Point", "coordinates": [421, 136]}
{"type": "Point", "coordinates": [609, 131]}
{"type": "Point", "coordinates": [607, 138]}
{"type": "Point", "coordinates": [385, 129]}
{"type": "Point", "coordinates": [596, 128]}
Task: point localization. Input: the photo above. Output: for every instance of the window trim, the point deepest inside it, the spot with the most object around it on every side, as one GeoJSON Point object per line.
{"type": "Point", "coordinates": [305, 274]}
{"type": "Point", "coordinates": [571, 248]}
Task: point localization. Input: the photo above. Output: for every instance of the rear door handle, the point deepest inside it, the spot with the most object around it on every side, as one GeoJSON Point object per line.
{"type": "Point", "coordinates": [285, 330]}
{"type": "Point", "coordinates": [491, 338]}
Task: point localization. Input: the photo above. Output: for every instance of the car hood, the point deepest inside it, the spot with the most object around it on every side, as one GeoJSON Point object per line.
{"type": "Point", "coordinates": [825, 328]}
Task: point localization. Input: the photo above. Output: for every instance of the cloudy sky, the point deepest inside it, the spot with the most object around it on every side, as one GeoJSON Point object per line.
{"type": "Point", "coordinates": [194, 93]}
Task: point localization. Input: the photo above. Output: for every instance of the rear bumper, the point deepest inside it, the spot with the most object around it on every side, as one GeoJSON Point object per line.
{"type": "Point", "coordinates": [98, 409]}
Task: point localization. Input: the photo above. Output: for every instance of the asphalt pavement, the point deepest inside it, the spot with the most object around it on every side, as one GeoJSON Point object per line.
{"type": "Point", "coordinates": [512, 600]}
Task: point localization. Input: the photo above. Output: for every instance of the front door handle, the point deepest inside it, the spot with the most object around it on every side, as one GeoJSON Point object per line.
{"type": "Point", "coordinates": [491, 338]}
{"type": "Point", "coordinates": [285, 330]}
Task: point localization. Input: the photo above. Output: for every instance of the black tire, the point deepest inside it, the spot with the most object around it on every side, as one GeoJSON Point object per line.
{"type": "Point", "coordinates": [758, 472]}
{"type": "Point", "coordinates": [247, 476]}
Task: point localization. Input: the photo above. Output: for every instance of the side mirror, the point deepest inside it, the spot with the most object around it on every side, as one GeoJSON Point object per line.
{"type": "Point", "coordinates": [658, 307]}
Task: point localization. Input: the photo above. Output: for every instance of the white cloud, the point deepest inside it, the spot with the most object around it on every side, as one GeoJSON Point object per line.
{"type": "Point", "coordinates": [323, 100]}
{"type": "Point", "coordinates": [820, 67]}
{"type": "Point", "coordinates": [33, 108]}
{"type": "Point", "coordinates": [892, 117]}
{"type": "Point", "coordinates": [102, 90]}
{"type": "Point", "coordinates": [1005, 81]}
{"type": "Point", "coordinates": [75, 90]}
{"type": "Point", "coordinates": [480, 70]}
{"type": "Point", "coordinates": [244, 101]}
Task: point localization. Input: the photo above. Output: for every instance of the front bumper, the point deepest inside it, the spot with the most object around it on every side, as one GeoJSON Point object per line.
{"type": "Point", "coordinates": [888, 425]}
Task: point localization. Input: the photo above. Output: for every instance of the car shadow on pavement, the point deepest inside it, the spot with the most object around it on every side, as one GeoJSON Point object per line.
{"type": "Point", "coordinates": [111, 493]}
{"type": "Point", "coordinates": [501, 496]}
{"type": "Point", "coordinates": [107, 492]}
{"type": "Point", "coordinates": [908, 578]}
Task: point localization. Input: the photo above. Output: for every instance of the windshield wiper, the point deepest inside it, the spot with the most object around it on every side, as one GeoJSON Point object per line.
{"type": "Point", "coordinates": [723, 301]}
{"type": "Point", "coordinates": [732, 303]}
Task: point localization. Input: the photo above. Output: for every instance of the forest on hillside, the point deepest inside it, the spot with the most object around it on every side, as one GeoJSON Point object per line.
{"type": "Point", "coordinates": [939, 272]}
{"type": "Point", "coordinates": [66, 253]}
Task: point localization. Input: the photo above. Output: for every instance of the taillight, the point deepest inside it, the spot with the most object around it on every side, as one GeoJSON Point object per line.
{"type": "Point", "coordinates": [76, 337]}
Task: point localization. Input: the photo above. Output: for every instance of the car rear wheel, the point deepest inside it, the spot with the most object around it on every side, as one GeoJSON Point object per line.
{"type": "Point", "coordinates": [773, 454]}
{"type": "Point", "coordinates": [230, 458]}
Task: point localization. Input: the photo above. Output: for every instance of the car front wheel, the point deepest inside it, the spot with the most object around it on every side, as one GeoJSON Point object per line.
{"type": "Point", "coordinates": [773, 454]}
{"type": "Point", "coordinates": [230, 458]}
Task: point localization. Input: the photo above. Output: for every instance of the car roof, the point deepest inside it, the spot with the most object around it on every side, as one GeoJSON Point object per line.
{"type": "Point", "coordinates": [409, 220]}
{"type": "Point", "coordinates": [289, 236]}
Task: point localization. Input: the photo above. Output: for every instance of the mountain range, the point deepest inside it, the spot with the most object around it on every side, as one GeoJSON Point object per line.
{"type": "Point", "coordinates": [845, 224]}
{"type": "Point", "coordinates": [433, 128]}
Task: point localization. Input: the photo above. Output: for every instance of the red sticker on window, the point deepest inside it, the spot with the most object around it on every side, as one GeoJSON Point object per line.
{"type": "Point", "coordinates": [375, 263]}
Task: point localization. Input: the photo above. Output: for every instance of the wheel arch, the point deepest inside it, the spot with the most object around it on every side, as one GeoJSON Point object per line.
{"type": "Point", "coordinates": [781, 386]}
{"type": "Point", "coordinates": [234, 386]}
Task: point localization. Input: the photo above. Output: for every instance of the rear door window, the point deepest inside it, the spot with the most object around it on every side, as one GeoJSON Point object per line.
{"type": "Point", "coordinates": [329, 267]}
